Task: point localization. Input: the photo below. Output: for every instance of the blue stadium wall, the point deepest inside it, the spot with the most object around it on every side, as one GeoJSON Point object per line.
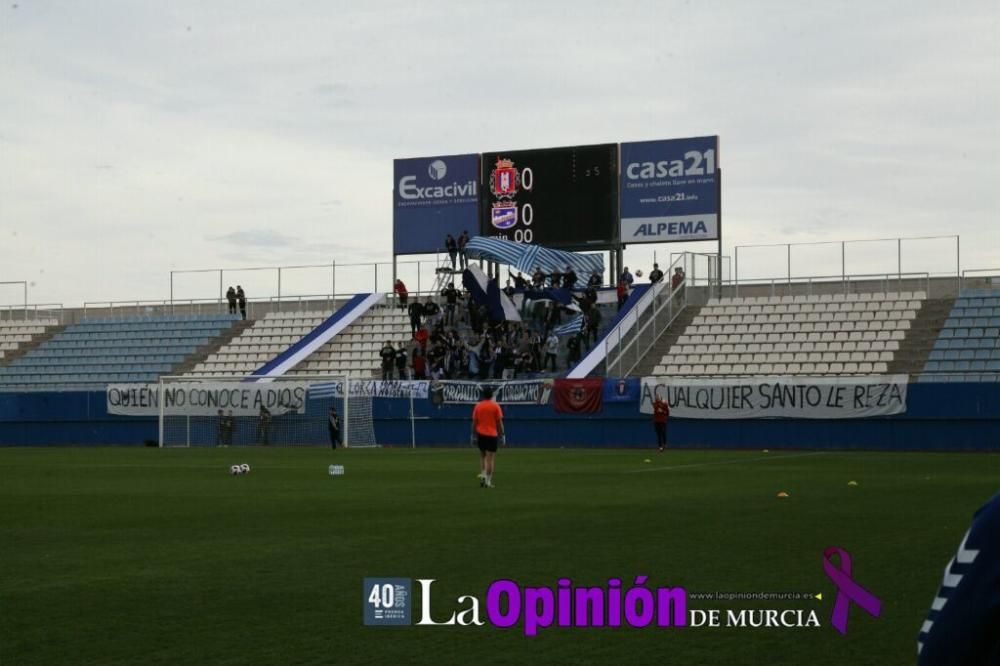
{"type": "Point", "coordinates": [939, 417]}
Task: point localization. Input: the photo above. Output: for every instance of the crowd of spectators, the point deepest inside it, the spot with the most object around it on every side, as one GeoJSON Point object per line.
{"type": "Point", "coordinates": [452, 337]}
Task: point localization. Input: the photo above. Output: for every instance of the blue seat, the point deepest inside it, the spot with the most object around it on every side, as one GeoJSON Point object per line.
{"type": "Point", "coordinates": [933, 366]}
{"type": "Point", "coordinates": [978, 366]}
{"type": "Point", "coordinates": [962, 366]}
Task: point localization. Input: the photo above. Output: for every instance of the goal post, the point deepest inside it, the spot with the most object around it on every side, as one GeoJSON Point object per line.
{"type": "Point", "coordinates": [283, 411]}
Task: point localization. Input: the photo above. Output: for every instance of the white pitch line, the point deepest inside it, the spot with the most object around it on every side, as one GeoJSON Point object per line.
{"type": "Point", "coordinates": [727, 462]}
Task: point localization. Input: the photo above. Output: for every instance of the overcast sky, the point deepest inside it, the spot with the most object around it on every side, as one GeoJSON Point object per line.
{"type": "Point", "coordinates": [138, 138]}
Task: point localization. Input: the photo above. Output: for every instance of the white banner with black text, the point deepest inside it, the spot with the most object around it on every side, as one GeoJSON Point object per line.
{"type": "Point", "coordinates": [777, 397]}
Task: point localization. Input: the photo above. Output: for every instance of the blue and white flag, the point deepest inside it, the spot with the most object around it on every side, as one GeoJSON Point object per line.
{"type": "Point", "coordinates": [487, 292]}
{"type": "Point", "coordinates": [572, 327]}
{"type": "Point", "coordinates": [526, 258]}
{"type": "Point", "coordinates": [563, 297]}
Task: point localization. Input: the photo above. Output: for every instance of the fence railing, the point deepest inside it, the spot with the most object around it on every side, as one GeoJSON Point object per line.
{"type": "Point", "coordinates": [632, 337]}
{"type": "Point", "coordinates": [256, 308]}
{"type": "Point", "coordinates": [830, 284]}
{"type": "Point", "coordinates": [32, 312]}
{"type": "Point", "coordinates": [986, 278]}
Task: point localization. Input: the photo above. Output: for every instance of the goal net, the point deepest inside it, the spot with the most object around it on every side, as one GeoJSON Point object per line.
{"type": "Point", "coordinates": [294, 411]}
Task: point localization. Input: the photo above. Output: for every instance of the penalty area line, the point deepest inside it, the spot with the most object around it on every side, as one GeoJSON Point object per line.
{"type": "Point", "coordinates": [726, 462]}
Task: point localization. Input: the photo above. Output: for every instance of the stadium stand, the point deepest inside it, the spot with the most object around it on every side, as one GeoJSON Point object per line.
{"type": "Point", "coordinates": [96, 352]}
{"type": "Point", "coordinates": [968, 346]}
{"type": "Point", "coordinates": [827, 334]}
{"type": "Point", "coordinates": [257, 344]}
{"type": "Point", "coordinates": [355, 350]}
{"type": "Point", "coordinates": [16, 337]}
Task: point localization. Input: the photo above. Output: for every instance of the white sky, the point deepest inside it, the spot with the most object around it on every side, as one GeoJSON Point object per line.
{"type": "Point", "coordinates": [138, 138]}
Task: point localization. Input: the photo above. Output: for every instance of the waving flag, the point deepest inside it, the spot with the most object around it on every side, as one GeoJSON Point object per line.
{"type": "Point", "coordinates": [572, 327]}
{"type": "Point", "coordinates": [487, 292]}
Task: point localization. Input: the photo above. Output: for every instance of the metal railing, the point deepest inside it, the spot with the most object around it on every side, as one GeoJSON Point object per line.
{"type": "Point", "coordinates": [256, 308]}
{"type": "Point", "coordinates": [32, 312]}
{"type": "Point", "coordinates": [842, 257]}
{"type": "Point", "coordinates": [832, 284]}
{"type": "Point", "coordinates": [379, 277]}
{"type": "Point", "coordinates": [628, 342]}
{"type": "Point", "coordinates": [990, 278]}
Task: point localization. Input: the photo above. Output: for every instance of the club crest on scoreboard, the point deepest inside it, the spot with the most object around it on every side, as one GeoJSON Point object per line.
{"type": "Point", "coordinates": [504, 180]}
{"type": "Point", "coordinates": [504, 215]}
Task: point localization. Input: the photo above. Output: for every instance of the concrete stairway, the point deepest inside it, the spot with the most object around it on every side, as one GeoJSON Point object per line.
{"type": "Point", "coordinates": [924, 330]}
{"type": "Point", "coordinates": [35, 341]}
{"type": "Point", "coordinates": [213, 346]}
{"type": "Point", "coordinates": [665, 341]}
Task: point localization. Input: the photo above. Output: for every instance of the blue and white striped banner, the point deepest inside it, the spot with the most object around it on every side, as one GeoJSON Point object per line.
{"type": "Point", "coordinates": [526, 258]}
{"type": "Point", "coordinates": [573, 326]}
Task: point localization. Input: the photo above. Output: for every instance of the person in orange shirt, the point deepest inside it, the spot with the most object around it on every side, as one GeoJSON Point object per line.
{"type": "Point", "coordinates": [487, 431]}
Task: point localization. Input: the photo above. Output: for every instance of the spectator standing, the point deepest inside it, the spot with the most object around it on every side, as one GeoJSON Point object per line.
{"type": "Point", "coordinates": [595, 280]}
{"type": "Point", "coordinates": [450, 303]}
{"type": "Point", "coordinates": [416, 311]}
{"type": "Point", "coordinates": [401, 293]}
{"type": "Point", "coordinates": [573, 347]}
{"type": "Point", "coordinates": [402, 359]}
{"type": "Point", "coordinates": [590, 295]}
{"type": "Point", "coordinates": [519, 281]}
{"type": "Point", "coordinates": [622, 293]}
{"type": "Point", "coordinates": [677, 278]}
{"type": "Point", "coordinates": [538, 278]}
{"type": "Point", "coordinates": [419, 364]}
{"type": "Point", "coordinates": [432, 312]}
{"type": "Point", "coordinates": [463, 240]}
{"type": "Point", "coordinates": [656, 274]}
{"type": "Point", "coordinates": [551, 349]}
{"type": "Point", "coordinates": [555, 279]}
{"type": "Point", "coordinates": [231, 298]}
{"type": "Point", "coordinates": [627, 278]}
{"type": "Point", "coordinates": [230, 424]}
{"type": "Point", "coordinates": [451, 247]}
{"type": "Point", "coordinates": [388, 356]}
{"type": "Point", "coordinates": [241, 298]}
{"type": "Point", "coordinates": [593, 324]}
{"type": "Point", "coordinates": [333, 425]}
{"type": "Point", "coordinates": [421, 337]}
{"type": "Point", "coordinates": [569, 278]}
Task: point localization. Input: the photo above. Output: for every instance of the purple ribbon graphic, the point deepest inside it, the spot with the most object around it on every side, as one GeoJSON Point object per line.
{"type": "Point", "coordinates": [847, 589]}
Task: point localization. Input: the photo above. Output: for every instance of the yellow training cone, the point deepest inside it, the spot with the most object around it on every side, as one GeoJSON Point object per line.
{"type": "Point", "coordinates": [782, 494]}
{"type": "Point", "coordinates": [852, 483]}
{"type": "Point", "coordinates": [647, 460]}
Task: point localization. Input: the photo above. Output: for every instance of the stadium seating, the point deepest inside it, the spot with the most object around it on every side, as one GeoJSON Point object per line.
{"type": "Point", "coordinates": [355, 350]}
{"type": "Point", "coordinates": [96, 352]}
{"type": "Point", "coordinates": [829, 334]}
{"type": "Point", "coordinates": [258, 344]}
{"type": "Point", "coordinates": [968, 347]}
{"type": "Point", "coordinates": [13, 334]}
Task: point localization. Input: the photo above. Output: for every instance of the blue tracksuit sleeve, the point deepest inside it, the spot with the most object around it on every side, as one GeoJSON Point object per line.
{"type": "Point", "coordinates": [963, 626]}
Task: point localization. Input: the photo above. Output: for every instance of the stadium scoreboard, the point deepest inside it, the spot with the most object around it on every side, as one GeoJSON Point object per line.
{"type": "Point", "coordinates": [557, 197]}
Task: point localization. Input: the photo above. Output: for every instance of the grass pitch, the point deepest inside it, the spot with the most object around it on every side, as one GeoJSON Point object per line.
{"type": "Point", "coordinates": [126, 555]}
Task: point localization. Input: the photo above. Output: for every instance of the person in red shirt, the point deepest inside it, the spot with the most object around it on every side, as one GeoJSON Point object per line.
{"type": "Point", "coordinates": [419, 363]}
{"type": "Point", "coordinates": [421, 337]}
{"type": "Point", "coordinates": [622, 293]}
{"type": "Point", "coordinates": [661, 412]}
{"type": "Point", "coordinates": [487, 430]}
{"type": "Point", "coordinates": [401, 293]}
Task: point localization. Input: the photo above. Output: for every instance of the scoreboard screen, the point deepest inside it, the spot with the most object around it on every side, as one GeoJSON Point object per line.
{"type": "Point", "coordinates": [557, 197]}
